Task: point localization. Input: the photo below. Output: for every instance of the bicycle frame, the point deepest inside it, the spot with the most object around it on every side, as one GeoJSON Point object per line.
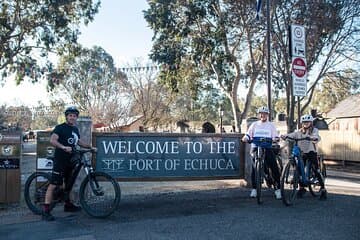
{"type": "Point", "coordinates": [296, 155]}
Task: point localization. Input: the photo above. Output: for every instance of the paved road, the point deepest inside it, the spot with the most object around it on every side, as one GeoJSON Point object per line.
{"type": "Point", "coordinates": [202, 210]}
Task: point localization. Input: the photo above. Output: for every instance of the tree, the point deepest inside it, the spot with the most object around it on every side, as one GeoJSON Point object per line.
{"type": "Point", "coordinates": [45, 117]}
{"type": "Point", "coordinates": [148, 99]}
{"type": "Point", "coordinates": [216, 39]}
{"type": "Point", "coordinates": [2, 116]}
{"type": "Point", "coordinates": [332, 43]}
{"type": "Point", "coordinates": [91, 81]}
{"type": "Point", "coordinates": [334, 88]}
{"type": "Point", "coordinates": [30, 30]}
{"type": "Point", "coordinates": [19, 117]}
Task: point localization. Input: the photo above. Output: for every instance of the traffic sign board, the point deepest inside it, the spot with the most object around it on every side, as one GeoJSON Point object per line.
{"type": "Point", "coordinates": [299, 71]}
{"type": "Point", "coordinates": [299, 67]}
{"type": "Point", "coordinates": [297, 41]}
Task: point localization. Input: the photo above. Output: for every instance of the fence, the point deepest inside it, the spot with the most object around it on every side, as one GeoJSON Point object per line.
{"type": "Point", "coordinates": [340, 145]}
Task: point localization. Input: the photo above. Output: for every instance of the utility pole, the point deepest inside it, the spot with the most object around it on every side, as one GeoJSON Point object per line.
{"type": "Point", "coordinates": [268, 40]}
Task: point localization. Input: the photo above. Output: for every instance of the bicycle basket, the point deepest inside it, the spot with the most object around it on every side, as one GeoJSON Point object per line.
{"type": "Point", "coordinates": [263, 142]}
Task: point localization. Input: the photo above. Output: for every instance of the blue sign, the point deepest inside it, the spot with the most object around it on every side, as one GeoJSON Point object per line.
{"type": "Point", "coordinates": [172, 155]}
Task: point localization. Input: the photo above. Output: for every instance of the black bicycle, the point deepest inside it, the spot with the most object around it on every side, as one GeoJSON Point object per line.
{"type": "Point", "coordinates": [261, 172]}
{"type": "Point", "coordinates": [295, 173]}
{"type": "Point", "coordinates": [99, 193]}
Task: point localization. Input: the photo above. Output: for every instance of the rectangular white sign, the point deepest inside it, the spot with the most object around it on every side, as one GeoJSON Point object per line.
{"type": "Point", "coordinates": [298, 41]}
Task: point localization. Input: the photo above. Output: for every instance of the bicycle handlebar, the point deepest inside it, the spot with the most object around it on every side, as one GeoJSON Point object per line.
{"type": "Point", "coordinates": [300, 139]}
{"type": "Point", "coordinates": [82, 151]}
{"type": "Point", "coordinates": [265, 140]}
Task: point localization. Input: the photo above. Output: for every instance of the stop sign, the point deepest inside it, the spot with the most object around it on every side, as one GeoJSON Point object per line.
{"type": "Point", "coordinates": [299, 67]}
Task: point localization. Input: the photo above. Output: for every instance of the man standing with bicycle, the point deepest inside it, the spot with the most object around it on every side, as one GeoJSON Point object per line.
{"type": "Point", "coordinates": [64, 138]}
{"type": "Point", "coordinates": [266, 128]}
{"type": "Point", "coordinates": [309, 151]}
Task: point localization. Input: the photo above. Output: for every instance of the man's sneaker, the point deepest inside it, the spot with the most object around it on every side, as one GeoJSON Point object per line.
{"type": "Point", "coordinates": [253, 193]}
{"type": "Point", "coordinates": [301, 192]}
{"type": "Point", "coordinates": [70, 207]}
{"type": "Point", "coordinates": [278, 194]}
{"type": "Point", "coordinates": [323, 194]}
{"type": "Point", "coordinates": [47, 216]}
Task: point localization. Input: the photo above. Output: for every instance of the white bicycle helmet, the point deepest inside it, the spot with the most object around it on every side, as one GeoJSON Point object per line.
{"type": "Point", "coordinates": [307, 118]}
{"type": "Point", "coordinates": [263, 110]}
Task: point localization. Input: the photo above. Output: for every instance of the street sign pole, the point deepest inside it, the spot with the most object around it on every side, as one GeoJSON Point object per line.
{"type": "Point", "coordinates": [268, 32]}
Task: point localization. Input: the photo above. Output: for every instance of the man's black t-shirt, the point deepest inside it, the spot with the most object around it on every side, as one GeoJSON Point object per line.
{"type": "Point", "coordinates": [68, 136]}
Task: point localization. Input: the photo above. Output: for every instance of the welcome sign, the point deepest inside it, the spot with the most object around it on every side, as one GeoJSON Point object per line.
{"type": "Point", "coordinates": [139, 155]}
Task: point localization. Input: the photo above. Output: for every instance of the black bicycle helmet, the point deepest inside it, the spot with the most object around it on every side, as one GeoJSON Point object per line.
{"type": "Point", "coordinates": [72, 109]}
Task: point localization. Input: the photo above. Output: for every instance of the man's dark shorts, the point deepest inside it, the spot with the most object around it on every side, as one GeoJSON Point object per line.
{"type": "Point", "coordinates": [62, 169]}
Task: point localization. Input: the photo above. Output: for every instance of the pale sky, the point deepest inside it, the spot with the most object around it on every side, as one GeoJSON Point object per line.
{"type": "Point", "coordinates": [119, 28]}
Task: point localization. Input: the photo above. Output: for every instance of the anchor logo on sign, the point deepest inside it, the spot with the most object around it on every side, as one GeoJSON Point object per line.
{"type": "Point", "coordinates": [7, 150]}
{"type": "Point", "coordinates": [50, 152]}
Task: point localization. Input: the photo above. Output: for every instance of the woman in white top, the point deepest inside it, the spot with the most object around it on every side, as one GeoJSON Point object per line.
{"type": "Point", "coordinates": [264, 128]}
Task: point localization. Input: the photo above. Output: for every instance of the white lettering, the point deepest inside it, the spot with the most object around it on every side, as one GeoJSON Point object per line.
{"type": "Point", "coordinates": [132, 164]}
{"type": "Point", "coordinates": [206, 164]}
{"type": "Point", "coordinates": [169, 164]}
{"type": "Point", "coordinates": [197, 147]}
{"type": "Point", "coordinates": [110, 145]}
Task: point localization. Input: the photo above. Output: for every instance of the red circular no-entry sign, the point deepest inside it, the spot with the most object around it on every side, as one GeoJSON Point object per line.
{"type": "Point", "coordinates": [299, 67]}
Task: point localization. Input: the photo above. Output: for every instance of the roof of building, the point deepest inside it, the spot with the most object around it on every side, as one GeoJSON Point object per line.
{"type": "Point", "coordinates": [349, 107]}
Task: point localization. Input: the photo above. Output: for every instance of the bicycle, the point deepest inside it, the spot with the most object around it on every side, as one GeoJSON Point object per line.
{"type": "Point", "coordinates": [295, 173]}
{"type": "Point", "coordinates": [99, 193]}
{"type": "Point", "coordinates": [262, 173]}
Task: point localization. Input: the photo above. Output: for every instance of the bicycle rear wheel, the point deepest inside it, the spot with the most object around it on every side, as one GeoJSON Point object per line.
{"type": "Point", "coordinates": [289, 183]}
{"type": "Point", "coordinates": [258, 179]}
{"type": "Point", "coordinates": [35, 191]}
{"type": "Point", "coordinates": [99, 195]}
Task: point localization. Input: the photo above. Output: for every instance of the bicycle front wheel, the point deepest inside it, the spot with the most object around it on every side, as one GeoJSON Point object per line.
{"type": "Point", "coordinates": [289, 183]}
{"type": "Point", "coordinates": [258, 179]}
{"type": "Point", "coordinates": [99, 195]}
{"type": "Point", "coordinates": [314, 184]}
{"type": "Point", "coordinates": [35, 190]}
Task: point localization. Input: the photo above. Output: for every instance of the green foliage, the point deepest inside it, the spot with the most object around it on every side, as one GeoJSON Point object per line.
{"type": "Point", "coordinates": [30, 30]}
{"type": "Point", "coordinates": [334, 88]}
{"type": "Point", "coordinates": [91, 81]}
{"type": "Point", "coordinates": [214, 39]}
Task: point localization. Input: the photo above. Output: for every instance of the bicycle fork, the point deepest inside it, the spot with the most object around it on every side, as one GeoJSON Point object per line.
{"type": "Point", "coordinates": [93, 182]}
{"type": "Point", "coordinates": [301, 167]}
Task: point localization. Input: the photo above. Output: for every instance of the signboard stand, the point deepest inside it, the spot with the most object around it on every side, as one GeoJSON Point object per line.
{"type": "Point", "coordinates": [10, 154]}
